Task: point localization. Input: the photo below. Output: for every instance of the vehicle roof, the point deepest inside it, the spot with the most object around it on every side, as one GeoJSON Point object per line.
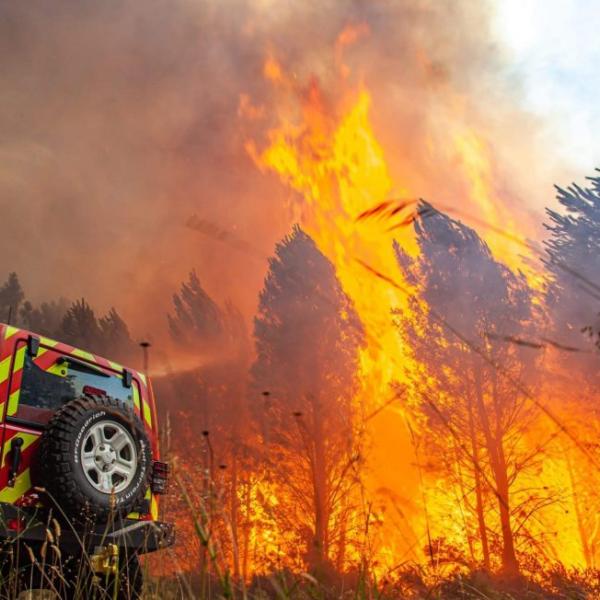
{"type": "Point", "coordinates": [10, 330]}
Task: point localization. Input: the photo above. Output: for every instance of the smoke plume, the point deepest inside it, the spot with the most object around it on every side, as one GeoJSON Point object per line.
{"type": "Point", "coordinates": [122, 120]}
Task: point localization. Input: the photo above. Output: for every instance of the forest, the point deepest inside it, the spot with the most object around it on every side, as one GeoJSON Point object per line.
{"type": "Point", "coordinates": [273, 489]}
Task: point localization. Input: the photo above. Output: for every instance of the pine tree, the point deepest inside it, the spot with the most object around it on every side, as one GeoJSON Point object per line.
{"type": "Point", "coordinates": [214, 394]}
{"type": "Point", "coordinates": [11, 296]}
{"type": "Point", "coordinates": [307, 336]}
{"type": "Point", "coordinates": [573, 301]}
{"type": "Point", "coordinates": [198, 320]}
{"type": "Point", "coordinates": [115, 338]}
{"type": "Point", "coordinates": [573, 263]}
{"type": "Point", "coordinates": [80, 328]}
{"type": "Point", "coordinates": [466, 306]}
{"type": "Point", "coordinates": [46, 318]}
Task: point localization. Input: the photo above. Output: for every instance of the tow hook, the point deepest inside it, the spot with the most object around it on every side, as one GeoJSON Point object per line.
{"type": "Point", "coordinates": [105, 560]}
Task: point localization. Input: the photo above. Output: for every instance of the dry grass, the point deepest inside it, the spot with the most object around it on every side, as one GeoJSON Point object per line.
{"type": "Point", "coordinates": [213, 581]}
{"type": "Point", "coordinates": [410, 584]}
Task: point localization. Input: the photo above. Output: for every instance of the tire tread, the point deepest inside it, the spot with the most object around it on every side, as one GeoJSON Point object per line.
{"type": "Point", "coordinates": [54, 459]}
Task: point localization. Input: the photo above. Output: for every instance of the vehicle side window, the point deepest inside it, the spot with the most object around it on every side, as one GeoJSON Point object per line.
{"type": "Point", "coordinates": [44, 391]}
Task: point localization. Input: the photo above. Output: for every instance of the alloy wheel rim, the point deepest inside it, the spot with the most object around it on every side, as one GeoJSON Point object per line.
{"type": "Point", "coordinates": [109, 457]}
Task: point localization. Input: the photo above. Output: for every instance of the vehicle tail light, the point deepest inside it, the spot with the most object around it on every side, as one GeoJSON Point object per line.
{"type": "Point", "coordinates": [90, 390]}
{"type": "Point", "coordinates": [15, 525]}
{"type": "Point", "coordinates": [160, 477]}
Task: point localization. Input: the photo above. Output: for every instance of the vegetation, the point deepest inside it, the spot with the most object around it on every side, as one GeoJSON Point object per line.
{"type": "Point", "coordinates": [465, 304]}
{"type": "Point", "coordinates": [477, 415]}
{"type": "Point", "coordinates": [75, 323]}
{"type": "Point", "coordinates": [307, 339]}
{"type": "Point", "coordinates": [270, 445]}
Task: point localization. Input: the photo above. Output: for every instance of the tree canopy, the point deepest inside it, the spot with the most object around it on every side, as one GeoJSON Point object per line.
{"type": "Point", "coordinates": [469, 399]}
{"type": "Point", "coordinates": [307, 337]}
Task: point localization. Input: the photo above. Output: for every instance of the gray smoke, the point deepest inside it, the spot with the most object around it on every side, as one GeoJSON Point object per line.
{"type": "Point", "coordinates": [120, 119]}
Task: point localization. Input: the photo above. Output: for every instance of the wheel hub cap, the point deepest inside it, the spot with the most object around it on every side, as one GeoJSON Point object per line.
{"type": "Point", "coordinates": [109, 457]}
{"type": "Point", "coordinates": [106, 455]}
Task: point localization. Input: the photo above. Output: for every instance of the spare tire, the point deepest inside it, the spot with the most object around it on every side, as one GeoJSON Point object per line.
{"type": "Point", "coordinates": [95, 459]}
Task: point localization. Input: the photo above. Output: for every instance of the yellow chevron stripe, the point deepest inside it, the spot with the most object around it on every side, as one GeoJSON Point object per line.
{"type": "Point", "coordinates": [10, 331]}
{"type": "Point", "coordinates": [22, 485]}
{"type": "Point", "coordinates": [142, 376]}
{"type": "Point", "coordinates": [136, 396]}
{"type": "Point", "coordinates": [13, 400]}
{"type": "Point", "coordinates": [153, 507]}
{"type": "Point", "coordinates": [48, 342]}
{"type": "Point", "coordinates": [20, 358]}
{"type": "Point", "coordinates": [145, 407]}
{"type": "Point", "coordinates": [59, 369]}
{"type": "Point", "coordinates": [83, 354]}
{"type": "Point", "coordinates": [13, 403]}
{"type": "Point", "coordinates": [114, 365]}
{"type": "Point", "coordinates": [147, 414]}
{"type": "Point", "coordinates": [5, 369]}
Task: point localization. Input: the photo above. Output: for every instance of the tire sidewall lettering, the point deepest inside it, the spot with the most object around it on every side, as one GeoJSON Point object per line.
{"type": "Point", "coordinates": [82, 431]}
{"type": "Point", "coordinates": [140, 475]}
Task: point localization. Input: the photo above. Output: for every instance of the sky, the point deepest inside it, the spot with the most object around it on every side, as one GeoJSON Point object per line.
{"type": "Point", "coordinates": [553, 47]}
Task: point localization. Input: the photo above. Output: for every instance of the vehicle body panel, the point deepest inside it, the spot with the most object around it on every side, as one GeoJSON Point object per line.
{"type": "Point", "coordinates": [15, 421]}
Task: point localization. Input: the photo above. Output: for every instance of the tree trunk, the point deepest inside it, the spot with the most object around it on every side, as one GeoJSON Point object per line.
{"type": "Point", "coordinates": [498, 462]}
{"type": "Point", "coordinates": [462, 499]}
{"type": "Point", "coordinates": [509, 558]}
{"type": "Point", "coordinates": [485, 548]}
{"type": "Point", "coordinates": [247, 528]}
{"type": "Point", "coordinates": [583, 534]}
{"type": "Point", "coordinates": [341, 553]}
{"type": "Point", "coordinates": [319, 552]}
{"type": "Point", "coordinates": [234, 513]}
{"type": "Point", "coordinates": [236, 393]}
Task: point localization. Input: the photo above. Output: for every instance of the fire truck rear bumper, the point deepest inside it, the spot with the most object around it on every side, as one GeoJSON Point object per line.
{"type": "Point", "coordinates": [32, 525]}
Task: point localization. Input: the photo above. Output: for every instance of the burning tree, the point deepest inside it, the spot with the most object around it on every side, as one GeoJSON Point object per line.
{"type": "Point", "coordinates": [573, 301]}
{"type": "Point", "coordinates": [307, 340]}
{"type": "Point", "coordinates": [573, 263]}
{"type": "Point", "coordinates": [470, 405]}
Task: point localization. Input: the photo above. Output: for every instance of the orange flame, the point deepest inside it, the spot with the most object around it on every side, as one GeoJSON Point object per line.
{"type": "Point", "coordinates": [333, 162]}
{"type": "Point", "coordinates": [339, 170]}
